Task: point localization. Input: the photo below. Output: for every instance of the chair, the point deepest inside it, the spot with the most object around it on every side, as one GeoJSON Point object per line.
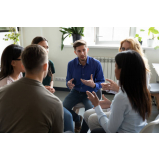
{"type": "Point", "coordinates": [150, 127]}
{"type": "Point", "coordinates": [81, 105]}
{"type": "Point", "coordinates": [154, 90]}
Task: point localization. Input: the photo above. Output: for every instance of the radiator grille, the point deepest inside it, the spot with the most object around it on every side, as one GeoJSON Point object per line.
{"type": "Point", "coordinates": [108, 66]}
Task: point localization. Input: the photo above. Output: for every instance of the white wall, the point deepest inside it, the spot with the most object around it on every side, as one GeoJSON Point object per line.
{"type": "Point", "coordinates": [61, 58]}
{"type": "Point", "coordinates": [3, 43]}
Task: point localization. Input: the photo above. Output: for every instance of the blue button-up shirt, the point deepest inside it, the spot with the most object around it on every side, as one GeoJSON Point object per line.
{"type": "Point", "coordinates": [77, 71]}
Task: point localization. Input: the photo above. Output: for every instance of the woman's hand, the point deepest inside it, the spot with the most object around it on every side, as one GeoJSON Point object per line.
{"type": "Point", "coordinates": [105, 103]}
{"type": "Point", "coordinates": [93, 98]}
{"type": "Point", "coordinates": [110, 86]}
{"type": "Point", "coordinates": [52, 90]}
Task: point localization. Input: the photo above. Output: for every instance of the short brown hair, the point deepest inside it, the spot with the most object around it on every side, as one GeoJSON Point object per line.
{"type": "Point", "coordinates": [79, 43]}
{"type": "Point", "coordinates": [36, 40]}
{"type": "Point", "coordinates": [33, 57]}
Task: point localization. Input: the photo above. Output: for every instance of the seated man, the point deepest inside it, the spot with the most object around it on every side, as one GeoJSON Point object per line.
{"type": "Point", "coordinates": [84, 74]}
{"type": "Point", "coordinates": [26, 106]}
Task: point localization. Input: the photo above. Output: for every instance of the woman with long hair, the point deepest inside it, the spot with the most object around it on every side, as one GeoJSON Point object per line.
{"type": "Point", "coordinates": [11, 65]}
{"type": "Point", "coordinates": [132, 104]}
{"type": "Point", "coordinates": [48, 80]}
{"type": "Point", "coordinates": [113, 87]}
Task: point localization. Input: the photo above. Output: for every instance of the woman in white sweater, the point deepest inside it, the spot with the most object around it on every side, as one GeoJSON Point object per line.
{"type": "Point", "coordinates": [11, 65]}
{"type": "Point", "coordinates": [132, 103]}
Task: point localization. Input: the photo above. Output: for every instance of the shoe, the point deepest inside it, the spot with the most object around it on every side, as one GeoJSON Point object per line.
{"type": "Point", "coordinates": [78, 125]}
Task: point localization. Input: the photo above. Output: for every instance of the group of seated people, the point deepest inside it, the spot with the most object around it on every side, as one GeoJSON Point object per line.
{"type": "Point", "coordinates": [28, 103]}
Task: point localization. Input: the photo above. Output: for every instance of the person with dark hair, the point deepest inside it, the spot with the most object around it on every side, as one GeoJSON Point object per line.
{"type": "Point", "coordinates": [132, 104]}
{"type": "Point", "coordinates": [83, 73]}
{"type": "Point", "coordinates": [26, 106]}
{"type": "Point", "coordinates": [11, 69]}
{"type": "Point", "coordinates": [48, 80]}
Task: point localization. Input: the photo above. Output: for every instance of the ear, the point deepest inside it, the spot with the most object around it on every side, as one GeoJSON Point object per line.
{"type": "Point", "coordinates": [45, 66]}
{"type": "Point", "coordinates": [87, 49]}
{"type": "Point", "coordinates": [75, 52]}
{"type": "Point", "coordinates": [13, 63]}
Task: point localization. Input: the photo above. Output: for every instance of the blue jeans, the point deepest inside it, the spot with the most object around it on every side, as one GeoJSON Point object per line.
{"type": "Point", "coordinates": [73, 98]}
{"type": "Point", "coordinates": [68, 121]}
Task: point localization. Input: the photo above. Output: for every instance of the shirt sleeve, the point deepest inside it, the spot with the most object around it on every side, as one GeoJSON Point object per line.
{"type": "Point", "coordinates": [69, 75]}
{"type": "Point", "coordinates": [99, 77]}
{"type": "Point", "coordinates": [58, 124]}
{"type": "Point", "coordinates": [112, 124]}
{"type": "Point", "coordinates": [52, 67]}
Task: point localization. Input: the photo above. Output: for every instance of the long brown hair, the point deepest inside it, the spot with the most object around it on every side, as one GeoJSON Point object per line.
{"type": "Point", "coordinates": [36, 40]}
{"type": "Point", "coordinates": [11, 52]}
{"type": "Point", "coordinates": [133, 81]}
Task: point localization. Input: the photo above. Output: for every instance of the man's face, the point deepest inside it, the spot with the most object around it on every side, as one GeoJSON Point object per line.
{"type": "Point", "coordinates": [81, 53]}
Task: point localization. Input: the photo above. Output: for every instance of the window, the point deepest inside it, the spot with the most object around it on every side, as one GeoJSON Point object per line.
{"type": "Point", "coordinates": [113, 35]}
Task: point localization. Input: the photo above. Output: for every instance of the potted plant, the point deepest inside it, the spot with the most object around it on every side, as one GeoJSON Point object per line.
{"type": "Point", "coordinates": [12, 36]}
{"type": "Point", "coordinates": [139, 38]}
{"type": "Point", "coordinates": [76, 32]}
{"type": "Point", "coordinates": [154, 33]}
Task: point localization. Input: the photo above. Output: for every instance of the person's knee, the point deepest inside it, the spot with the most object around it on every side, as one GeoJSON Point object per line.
{"type": "Point", "coordinates": [87, 114]}
{"type": "Point", "coordinates": [67, 114]}
{"type": "Point", "coordinates": [92, 119]}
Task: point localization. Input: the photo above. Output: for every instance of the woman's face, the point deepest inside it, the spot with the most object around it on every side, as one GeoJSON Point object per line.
{"type": "Point", "coordinates": [125, 46]}
{"type": "Point", "coordinates": [117, 72]}
{"type": "Point", "coordinates": [45, 45]}
{"type": "Point", "coordinates": [17, 65]}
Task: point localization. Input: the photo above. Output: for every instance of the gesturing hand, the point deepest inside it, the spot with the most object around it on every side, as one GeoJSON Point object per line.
{"type": "Point", "coordinates": [110, 86]}
{"type": "Point", "coordinates": [89, 83]}
{"type": "Point", "coordinates": [105, 103]}
{"type": "Point", "coordinates": [93, 98]}
{"type": "Point", "coordinates": [52, 90]}
{"type": "Point", "coordinates": [70, 84]}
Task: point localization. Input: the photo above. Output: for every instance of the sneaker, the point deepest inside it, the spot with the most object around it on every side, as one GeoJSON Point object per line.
{"type": "Point", "coordinates": [78, 125]}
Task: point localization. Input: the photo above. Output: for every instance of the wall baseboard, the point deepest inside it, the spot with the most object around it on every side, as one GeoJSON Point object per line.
{"type": "Point", "coordinates": [67, 90]}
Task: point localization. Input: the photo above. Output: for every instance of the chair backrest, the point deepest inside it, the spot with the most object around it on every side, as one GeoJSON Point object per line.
{"type": "Point", "coordinates": [154, 88]}
{"type": "Point", "coordinates": [149, 128]}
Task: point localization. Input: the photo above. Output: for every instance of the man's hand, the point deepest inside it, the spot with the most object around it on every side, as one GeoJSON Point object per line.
{"type": "Point", "coordinates": [52, 90]}
{"type": "Point", "coordinates": [110, 86]}
{"type": "Point", "coordinates": [105, 103]}
{"type": "Point", "coordinates": [93, 98]}
{"type": "Point", "coordinates": [89, 83]}
{"type": "Point", "coordinates": [70, 84]}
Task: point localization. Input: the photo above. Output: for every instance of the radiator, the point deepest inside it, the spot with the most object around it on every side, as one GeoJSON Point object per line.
{"type": "Point", "coordinates": [108, 66]}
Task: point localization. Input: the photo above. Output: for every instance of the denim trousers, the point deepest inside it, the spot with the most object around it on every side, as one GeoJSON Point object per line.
{"type": "Point", "coordinates": [73, 98]}
{"type": "Point", "coordinates": [68, 121]}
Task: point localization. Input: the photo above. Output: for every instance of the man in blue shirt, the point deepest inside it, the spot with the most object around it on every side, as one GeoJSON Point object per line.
{"type": "Point", "coordinates": [84, 73]}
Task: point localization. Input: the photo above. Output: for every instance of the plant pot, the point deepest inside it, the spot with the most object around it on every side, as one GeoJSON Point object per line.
{"type": "Point", "coordinates": [140, 42]}
{"type": "Point", "coordinates": [76, 37]}
{"type": "Point", "coordinates": [150, 42]}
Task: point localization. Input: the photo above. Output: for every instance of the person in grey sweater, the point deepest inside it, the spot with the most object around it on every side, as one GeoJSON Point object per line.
{"type": "Point", "coordinates": [26, 106]}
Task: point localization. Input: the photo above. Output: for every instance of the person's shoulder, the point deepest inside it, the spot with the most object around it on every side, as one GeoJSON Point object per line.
{"type": "Point", "coordinates": [94, 60]}
{"type": "Point", "coordinates": [121, 96]}
{"type": "Point", "coordinates": [73, 61]}
{"type": "Point", "coordinates": [3, 82]}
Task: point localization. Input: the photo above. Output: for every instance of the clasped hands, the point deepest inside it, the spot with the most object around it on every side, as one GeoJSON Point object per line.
{"type": "Point", "coordinates": [52, 90]}
{"type": "Point", "coordinates": [105, 103]}
{"type": "Point", "coordinates": [110, 86]}
{"type": "Point", "coordinates": [89, 83]}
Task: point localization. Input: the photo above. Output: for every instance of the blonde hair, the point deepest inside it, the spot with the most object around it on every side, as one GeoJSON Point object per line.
{"type": "Point", "coordinates": [135, 45]}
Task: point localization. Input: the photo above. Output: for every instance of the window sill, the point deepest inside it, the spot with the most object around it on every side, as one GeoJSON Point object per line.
{"type": "Point", "coordinates": [107, 46]}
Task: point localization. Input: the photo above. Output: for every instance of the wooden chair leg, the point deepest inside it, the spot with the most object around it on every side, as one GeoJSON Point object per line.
{"type": "Point", "coordinates": [77, 110]}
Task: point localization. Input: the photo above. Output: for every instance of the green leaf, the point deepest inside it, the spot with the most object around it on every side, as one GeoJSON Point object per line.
{"type": "Point", "coordinates": [137, 35]}
{"type": "Point", "coordinates": [142, 30]}
{"type": "Point", "coordinates": [158, 37]}
{"type": "Point", "coordinates": [157, 47]}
